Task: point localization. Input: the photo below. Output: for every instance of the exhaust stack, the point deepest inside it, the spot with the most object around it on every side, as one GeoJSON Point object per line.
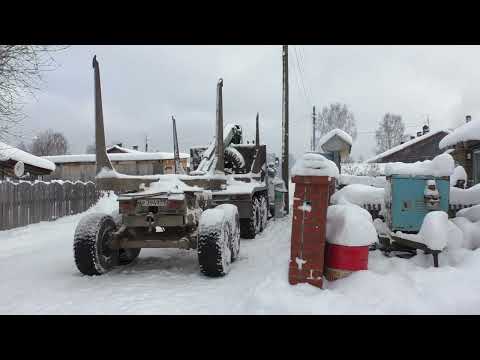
{"type": "Point", "coordinates": [257, 134]}
{"type": "Point", "coordinates": [219, 124]}
{"type": "Point", "coordinates": [102, 160]}
{"type": "Point", "coordinates": [176, 153]}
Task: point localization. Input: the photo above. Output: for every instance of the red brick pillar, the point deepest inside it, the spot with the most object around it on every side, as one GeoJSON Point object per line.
{"type": "Point", "coordinates": [310, 205]}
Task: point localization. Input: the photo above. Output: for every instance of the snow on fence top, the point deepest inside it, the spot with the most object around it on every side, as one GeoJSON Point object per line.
{"type": "Point", "coordinates": [312, 164]}
{"type": "Point", "coordinates": [131, 156]}
{"type": "Point", "coordinates": [407, 144]}
{"type": "Point", "coordinates": [335, 132]}
{"type": "Point", "coordinates": [441, 165]}
{"type": "Point", "coordinates": [465, 196]}
{"type": "Point", "coordinates": [8, 152]}
{"type": "Point", "coordinates": [359, 194]}
{"type": "Point", "coordinates": [466, 132]}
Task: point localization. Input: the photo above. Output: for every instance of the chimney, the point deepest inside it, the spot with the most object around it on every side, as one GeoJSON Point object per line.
{"type": "Point", "coordinates": [412, 137]}
{"type": "Point", "coordinates": [468, 118]}
{"type": "Point", "coordinates": [135, 147]}
{"type": "Point", "coordinates": [419, 133]}
{"type": "Point", "coordinates": [425, 129]}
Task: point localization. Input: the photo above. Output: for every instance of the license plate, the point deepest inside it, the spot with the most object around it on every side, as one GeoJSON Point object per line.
{"type": "Point", "coordinates": [152, 202]}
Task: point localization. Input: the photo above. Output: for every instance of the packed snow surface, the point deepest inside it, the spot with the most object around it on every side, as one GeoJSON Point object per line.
{"type": "Point", "coordinates": [471, 213]}
{"type": "Point", "coordinates": [441, 165]}
{"type": "Point", "coordinates": [38, 276]}
{"type": "Point", "coordinates": [466, 132]}
{"type": "Point", "coordinates": [350, 225]}
{"type": "Point", "coordinates": [312, 164]}
{"type": "Point", "coordinates": [9, 152]}
{"type": "Point", "coordinates": [335, 132]}
{"type": "Point", "coordinates": [359, 194]}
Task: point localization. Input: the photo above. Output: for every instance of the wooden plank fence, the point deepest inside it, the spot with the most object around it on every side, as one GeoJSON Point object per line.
{"type": "Point", "coordinates": [31, 202]}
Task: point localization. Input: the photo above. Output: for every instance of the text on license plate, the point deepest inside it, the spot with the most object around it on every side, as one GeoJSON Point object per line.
{"type": "Point", "coordinates": [152, 202]}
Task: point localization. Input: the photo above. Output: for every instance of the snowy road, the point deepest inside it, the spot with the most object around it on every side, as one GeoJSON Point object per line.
{"type": "Point", "coordinates": [38, 276]}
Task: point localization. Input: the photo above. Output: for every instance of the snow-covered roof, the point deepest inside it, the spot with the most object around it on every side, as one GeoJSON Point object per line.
{"type": "Point", "coordinates": [335, 132]}
{"type": "Point", "coordinates": [407, 144]}
{"type": "Point", "coordinates": [131, 156]}
{"type": "Point", "coordinates": [122, 149]}
{"type": "Point", "coordinates": [441, 165]}
{"type": "Point", "coordinates": [8, 152]}
{"type": "Point", "coordinates": [465, 132]}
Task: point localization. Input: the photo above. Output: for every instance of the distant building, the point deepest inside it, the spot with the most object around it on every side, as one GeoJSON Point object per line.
{"type": "Point", "coordinates": [34, 167]}
{"type": "Point", "coordinates": [425, 146]}
{"type": "Point", "coordinates": [126, 161]}
{"type": "Point", "coordinates": [463, 143]}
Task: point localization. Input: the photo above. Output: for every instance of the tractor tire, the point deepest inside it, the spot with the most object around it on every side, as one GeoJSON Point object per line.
{"type": "Point", "coordinates": [214, 243]}
{"type": "Point", "coordinates": [233, 160]}
{"type": "Point", "coordinates": [249, 227]}
{"type": "Point", "coordinates": [90, 245]}
{"type": "Point", "coordinates": [258, 214]}
{"type": "Point", "coordinates": [127, 256]}
{"type": "Point", "coordinates": [263, 213]}
{"type": "Point", "coordinates": [235, 241]}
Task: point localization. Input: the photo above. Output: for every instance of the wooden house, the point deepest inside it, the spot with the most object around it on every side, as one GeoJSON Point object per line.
{"type": "Point", "coordinates": [34, 167]}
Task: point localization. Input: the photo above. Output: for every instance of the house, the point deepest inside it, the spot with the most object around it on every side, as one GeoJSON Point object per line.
{"type": "Point", "coordinates": [463, 143]}
{"type": "Point", "coordinates": [127, 161]}
{"type": "Point", "coordinates": [422, 147]}
{"type": "Point", "coordinates": [34, 167]}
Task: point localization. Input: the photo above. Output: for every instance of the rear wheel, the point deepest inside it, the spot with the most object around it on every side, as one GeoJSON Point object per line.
{"type": "Point", "coordinates": [92, 253]}
{"type": "Point", "coordinates": [263, 213]}
{"type": "Point", "coordinates": [214, 243]}
{"type": "Point", "coordinates": [249, 227]}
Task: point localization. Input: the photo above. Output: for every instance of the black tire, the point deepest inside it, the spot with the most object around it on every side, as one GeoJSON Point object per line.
{"type": "Point", "coordinates": [233, 159]}
{"type": "Point", "coordinates": [258, 214]}
{"type": "Point", "coordinates": [263, 213]}
{"type": "Point", "coordinates": [249, 226]}
{"type": "Point", "coordinates": [235, 239]}
{"type": "Point", "coordinates": [126, 256]}
{"type": "Point", "coordinates": [90, 245]}
{"type": "Point", "coordinates": [214, 244]}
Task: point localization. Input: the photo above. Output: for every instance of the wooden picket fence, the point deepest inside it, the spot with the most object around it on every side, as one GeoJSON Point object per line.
{"type": "Point", "coordinates": [31, 202]}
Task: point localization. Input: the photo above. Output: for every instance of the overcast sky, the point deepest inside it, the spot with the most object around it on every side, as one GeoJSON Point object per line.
{"type": "Point", "coordinates": [142, 86]}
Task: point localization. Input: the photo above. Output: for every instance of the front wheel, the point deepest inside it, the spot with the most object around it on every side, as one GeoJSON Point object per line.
{"type": "Point", "coordinates": [92, 253]}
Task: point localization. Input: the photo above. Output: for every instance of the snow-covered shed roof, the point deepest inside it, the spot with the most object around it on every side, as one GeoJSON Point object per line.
{"type": "Point", "coordinates": [121, 149]}
{"type": "Point", "coordinates": [130, 156]}
{"type": "Point", "coordinates": [466, 132]}
{"type": "Point", "coordinates": [8, 152]}
{"type": "Point", "coordinates": [335, 132]}
{"type": "Point", "coordinates": [407, 144]}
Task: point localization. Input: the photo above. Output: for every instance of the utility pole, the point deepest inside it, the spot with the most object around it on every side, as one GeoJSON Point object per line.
{"type": "Point", "coordinates": [314, 116]}
{"type": "Point", "coordinates": [285, 176]}
{"type": "Point", "coordinates": [146, 143]}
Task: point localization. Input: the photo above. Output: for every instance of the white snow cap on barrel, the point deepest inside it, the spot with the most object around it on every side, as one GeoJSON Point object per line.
{"type": "Point", "coordinates": [313, 164]}
{"type": "Point", "coordinates": [441, 165]}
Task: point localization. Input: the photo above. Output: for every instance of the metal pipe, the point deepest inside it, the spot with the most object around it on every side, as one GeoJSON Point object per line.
{"type": "Point", "coordinates": [219, 125]}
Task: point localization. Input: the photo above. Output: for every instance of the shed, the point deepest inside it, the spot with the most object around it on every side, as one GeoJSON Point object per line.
{"type": "Point", "coordinates": [34, 166]}
{"type": "Point", "coordinates": [463, 143]}
{"type": "Point", "coordinates": [337, 145]}
{"type": "Point", "coordinates": [423, 147]}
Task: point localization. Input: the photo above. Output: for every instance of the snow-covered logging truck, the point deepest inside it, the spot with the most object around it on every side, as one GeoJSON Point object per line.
{"type": "Point", "coordinates": [207, 210]}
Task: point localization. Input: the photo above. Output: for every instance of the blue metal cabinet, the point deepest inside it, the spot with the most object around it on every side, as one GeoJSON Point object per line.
{"type": "Point", "coordinates": [406, 206]}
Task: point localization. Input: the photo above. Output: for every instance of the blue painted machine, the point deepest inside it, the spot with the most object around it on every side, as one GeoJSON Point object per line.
{"type": "Point", "coordinates": [409, 198]}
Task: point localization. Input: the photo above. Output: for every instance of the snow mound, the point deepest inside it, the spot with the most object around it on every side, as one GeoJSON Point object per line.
{"type": "Point", "coordinates": [435, 230]}
{"type": "Point", "coordinates": [472, 213]}
{"type": "Point", "coordinates": [312, 164]}
{"type": "Point", "coordinates": [377, 181]}
{"type": "Point", "coordinates": [459, 173]}
{"type": "Point", "coordinates": [466, 132]}
{"type": "Point", "coordinates": [441, 165]}
{"type": "Point", "coordinates": [359, 194]}
{"type": "Point", "coordinates": [465, 196]}
{"type": "Point", "coordinates": [470, 230]}
{"type": "Point", "coordinates": [335, 132]}
{"type": "Point", "coordinates": [350, 225]}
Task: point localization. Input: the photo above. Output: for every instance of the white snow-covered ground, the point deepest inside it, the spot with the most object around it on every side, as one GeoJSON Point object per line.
{"type": "Point", "coordinates": [38, 276]}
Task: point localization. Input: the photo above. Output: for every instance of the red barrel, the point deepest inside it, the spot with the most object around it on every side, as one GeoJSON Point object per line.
{"type": "Point", "coordinates": [340, 260]}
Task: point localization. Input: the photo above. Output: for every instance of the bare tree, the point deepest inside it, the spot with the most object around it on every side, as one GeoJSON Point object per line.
{"type": "Point", "coordinates": [389, 133]}
{"type": "Point", "coordinates": [21, 69]}
{"type": "Point", "coordinates": [49, 143]}
{"type": "Point", "coordinates": [23, 146]}
{"type": "Point", "coordinates": [336, 115]}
